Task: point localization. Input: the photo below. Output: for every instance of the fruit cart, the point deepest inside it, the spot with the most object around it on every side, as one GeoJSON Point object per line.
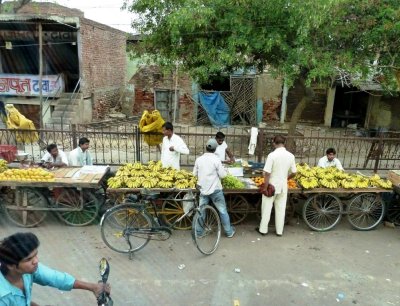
{"type": "Point", "coordinates": [393, 212]}
{"type": "Point", "coordinates": [74, 194]}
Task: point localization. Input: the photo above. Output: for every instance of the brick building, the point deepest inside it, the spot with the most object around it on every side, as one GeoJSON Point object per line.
{"type": "Point", "coordinates": [155, 89]}
{"type": "Point", "coordinates": [78, 55]}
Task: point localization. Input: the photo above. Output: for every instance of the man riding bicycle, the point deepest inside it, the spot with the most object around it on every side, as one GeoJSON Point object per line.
{"type": "Point", "coordinates": [20, 268]}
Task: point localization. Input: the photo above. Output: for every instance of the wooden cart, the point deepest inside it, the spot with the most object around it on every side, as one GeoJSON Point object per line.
{"type": "Point", "coordinates": [322, 210]}
{"type": "Point", "coordinates": [75, 196]}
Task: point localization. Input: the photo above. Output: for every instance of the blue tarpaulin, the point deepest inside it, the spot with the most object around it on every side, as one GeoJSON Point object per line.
{"type": "Point", "coordinates": [216, 108]}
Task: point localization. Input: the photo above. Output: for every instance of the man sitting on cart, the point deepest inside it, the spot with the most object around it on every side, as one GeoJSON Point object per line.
{"type": "Point", "coordinates": [54, 157]}
{"type": "Point", "coordinates": [330, 160]}
{"type": "Point", "coordinates": [80, 156]}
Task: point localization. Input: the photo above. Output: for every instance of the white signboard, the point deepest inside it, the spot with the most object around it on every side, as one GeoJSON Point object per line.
{"type": "Point", "coordinates": [28, 85]}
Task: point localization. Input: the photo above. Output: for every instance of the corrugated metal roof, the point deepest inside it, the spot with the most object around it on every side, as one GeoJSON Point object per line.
{"type": "Point", "coordinates": [25, 17]}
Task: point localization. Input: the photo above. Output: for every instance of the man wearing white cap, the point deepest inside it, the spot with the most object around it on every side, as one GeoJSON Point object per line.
{"type": "Point", "coordinates": [209, 171]}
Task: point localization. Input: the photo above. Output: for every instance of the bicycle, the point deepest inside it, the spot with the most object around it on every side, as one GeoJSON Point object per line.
{"type": "Point", "coordinates": [128, 227]}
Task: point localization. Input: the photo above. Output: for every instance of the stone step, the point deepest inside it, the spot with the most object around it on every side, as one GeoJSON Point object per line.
{"type": "Point", "coordinates": [68, 95]}
{"type": "Point", "coordinates": [65, 121]}
{"type": "Point", "coordinates": [66, 114]}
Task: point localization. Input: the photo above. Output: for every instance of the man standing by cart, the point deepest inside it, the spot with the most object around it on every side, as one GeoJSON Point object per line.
{"type": "Point", "coordinates": [172, 147]}
{"type": "Point", "coordinates": [222, 150]}
{"type": "Point", "coordinates": [209, 171]}
{"type": "Point", "coordinates": [279, 167]}
{"type": "Point", "coordinates": [330, 160]}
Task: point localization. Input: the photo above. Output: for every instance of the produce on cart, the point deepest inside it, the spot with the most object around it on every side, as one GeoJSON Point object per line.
{"type": "Point", "coordinates": [132, 177]}
{"type": "Point", "coordinates": [69, 192]}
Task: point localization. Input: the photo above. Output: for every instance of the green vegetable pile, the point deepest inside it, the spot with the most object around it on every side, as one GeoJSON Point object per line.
{"type": "Point", "coordinates": [232, 182]}
{"type": "Point", "coordinates": [235, 165]}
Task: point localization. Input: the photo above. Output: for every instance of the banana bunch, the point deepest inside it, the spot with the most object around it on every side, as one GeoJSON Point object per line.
{"type": "Point", "coordinates": [328, 183]}
{"type": "Point", "coordinates": [309, 182]}
{"type": "Point", "coordinates": [153, 175]}
{"type": "Point", "coordinates": [348, 183]}
{"type": "Point", "coordinates": [362, 182]}
{"type": "Point", "coordinates": [3, 165]}
{"type": "Point", "coordinates": [385, 184]}
{"type": "Point", "coordinates": [182, 184]}
{"type": "Point", "coordinates": [165, 184]}
{"type": "Point", "coordinates": [115, 182]}
{"type": "Point", "coordinates": [149, 183]}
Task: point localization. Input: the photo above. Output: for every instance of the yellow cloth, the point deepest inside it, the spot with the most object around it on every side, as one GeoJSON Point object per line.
{"type": "Point", "coordinates": [151, 122]}
{"type": "Point", "coordinates": [15, 120]}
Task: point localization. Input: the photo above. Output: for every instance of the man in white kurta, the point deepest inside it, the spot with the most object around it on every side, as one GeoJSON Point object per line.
{"type": "Point", "coordinates": [279, 167]}
{"type": "Point", "coordinates": [80, 156]}
{"type": "Point", "coordinates": [172, 147]}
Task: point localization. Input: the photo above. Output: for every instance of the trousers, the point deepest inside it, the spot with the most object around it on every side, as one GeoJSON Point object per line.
{"type": "Point", "coordinates": [217, 197]}
{"type": "Point", "coordinates": [280, 208]}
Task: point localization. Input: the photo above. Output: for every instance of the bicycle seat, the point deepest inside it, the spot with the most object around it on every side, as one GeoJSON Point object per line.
{"type": "Point", "coordinates": [149, 195]}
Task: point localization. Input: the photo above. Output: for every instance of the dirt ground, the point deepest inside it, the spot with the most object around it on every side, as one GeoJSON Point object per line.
{"type": "Point", "coordinates": [342, 266]}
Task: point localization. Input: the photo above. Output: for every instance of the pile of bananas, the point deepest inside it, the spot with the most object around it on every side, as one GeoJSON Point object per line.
{"type": "Point", "coordinates": [152, 175]}
{"type": "Point", "coordinates": [3, 165]}
{"type": "Point", "coordinates": [27, 175]}
{"type": "Point", "coordinates": [331, 177]}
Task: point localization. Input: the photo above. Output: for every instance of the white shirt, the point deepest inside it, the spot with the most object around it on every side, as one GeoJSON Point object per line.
{"type": "Point", "coordinates": [325, 163]}
{"type": "Point", "coordinates": [209, 171]}
{"type": "Point", "coordinates": [61, 158]}
{"type": "Point", "coordinates": [220, 151]}
{"type": "Point", "coordinates": [172, 158]}
{"type": "Point", "coordinates": [280, 164]}
{"type": "Point", "coordinates": [79, 158]}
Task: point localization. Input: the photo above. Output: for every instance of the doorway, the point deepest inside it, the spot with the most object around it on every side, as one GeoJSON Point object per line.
{"type": "Point", "coordinates": [350, 107]}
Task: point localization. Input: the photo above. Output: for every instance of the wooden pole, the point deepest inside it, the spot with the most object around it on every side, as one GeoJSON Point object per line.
{"type": "Point", "coordinates": [41, 74]}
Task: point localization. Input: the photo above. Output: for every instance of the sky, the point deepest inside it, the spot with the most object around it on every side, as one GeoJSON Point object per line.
{"type": "Point", "coordinates": [103, 11]}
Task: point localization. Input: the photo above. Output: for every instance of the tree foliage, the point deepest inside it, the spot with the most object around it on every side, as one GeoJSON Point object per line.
{"type": "Point", "coordinates": [313, 40]}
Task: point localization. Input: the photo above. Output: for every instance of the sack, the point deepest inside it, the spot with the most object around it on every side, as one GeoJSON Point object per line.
{"type": "Point", "coordinates": [268, 191]}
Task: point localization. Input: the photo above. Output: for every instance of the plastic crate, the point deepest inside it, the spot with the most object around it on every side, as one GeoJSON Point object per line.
{"type": "Point", "coordinates": [8, 152]}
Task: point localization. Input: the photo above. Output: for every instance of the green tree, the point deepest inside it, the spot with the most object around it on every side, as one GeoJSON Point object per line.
{"type": "Point", "coordinates": [305, 40]}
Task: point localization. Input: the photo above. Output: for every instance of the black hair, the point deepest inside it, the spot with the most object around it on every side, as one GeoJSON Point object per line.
{"type": "Point", "coordinates": [331, 150]}
{"type": "Point", "coordinates": [168, 126]}
{"type": "Point", "coordinates": [51, 147]}
{"type": "Point", "coordinates": [15, 248]}
{"type": "Point", "coordinates": [220, 135]}
{"type": "Point", "coordinates": [279, 139]}
{"type": "Point", "coordinates": [83, 140]}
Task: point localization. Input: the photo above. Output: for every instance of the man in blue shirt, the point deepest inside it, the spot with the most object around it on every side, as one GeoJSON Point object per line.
{"type": "Point", "coordinates": [20, 268]}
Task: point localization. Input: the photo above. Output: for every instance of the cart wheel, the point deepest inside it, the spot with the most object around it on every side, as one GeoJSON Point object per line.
{"type": "Point", "coordinates": [71, 198]}
{"type": "Point", "coordinates": [321, 212]}
{"type": "Point", "coordinates": [171, 211]}
{"type": "Point", "coordinates": [393, 212]}
{"type": "Point", "coordinates": [32, 198]}
{"type": "Point", "coordinates": [366, 211]}
{"type": "Point", "coordinates": [238, 207]}
{"type": "Point", "coordinates": [289, 214]}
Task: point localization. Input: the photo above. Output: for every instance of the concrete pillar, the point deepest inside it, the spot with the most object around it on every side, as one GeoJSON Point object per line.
{"type": "Point", "coordinates": [329, 106]}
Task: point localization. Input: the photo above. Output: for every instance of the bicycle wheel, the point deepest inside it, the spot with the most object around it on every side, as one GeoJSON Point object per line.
{"type": "Point", "coordinates": [171, 211]}
{"type": "Point", "coordinates": [238, 207]}
{"type": "Point", "coordinates": [28, 197]}
{"type": "Point", "coordinates": [71, 198]}
{"type": "Point", "coordinates": [365, 211]}
{"type": "Point", "coordinates": [321, 212]}
{"type": "Point", "coordinates": [206, 229]}
{"type": "Point", "coordinates": [118, 227]}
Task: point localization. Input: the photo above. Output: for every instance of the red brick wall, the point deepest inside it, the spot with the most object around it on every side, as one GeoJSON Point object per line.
{"type": "Point", "coordinates": [49, 9]}
{"type": "Point", "coordinates": [150, 78]}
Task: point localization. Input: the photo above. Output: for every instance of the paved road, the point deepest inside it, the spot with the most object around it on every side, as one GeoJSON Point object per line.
{"type": "Point", "coordinates": [300, 268]}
